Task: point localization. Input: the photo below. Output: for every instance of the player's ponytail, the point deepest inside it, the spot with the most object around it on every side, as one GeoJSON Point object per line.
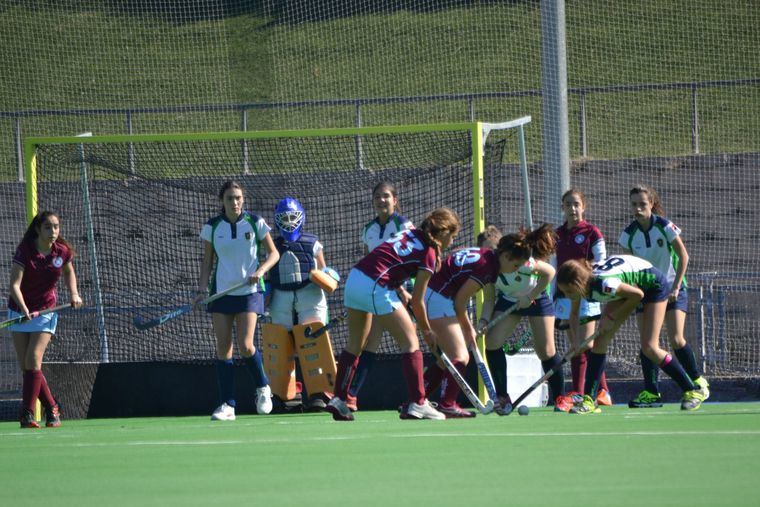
{"type": "Point", "coordinates": [490, 237]}
{"type": "Point", "coordinates": [515, 245]}
{"type": "Point", "coordinates": [543, 241]}
{"type": "Point", "coordinates": [438, 221]}
{"type": "Point", "coordinates": [576, 273]}
{"type": "Point", "coordinates": [654, 199]}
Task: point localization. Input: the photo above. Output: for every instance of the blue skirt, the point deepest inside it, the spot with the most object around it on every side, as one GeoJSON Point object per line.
{"type": "Point", "coordinates": [232, 305]}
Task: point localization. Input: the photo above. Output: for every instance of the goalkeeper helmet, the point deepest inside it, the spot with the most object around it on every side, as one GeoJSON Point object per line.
{"type": "Point", "coordinates": [289, 217]}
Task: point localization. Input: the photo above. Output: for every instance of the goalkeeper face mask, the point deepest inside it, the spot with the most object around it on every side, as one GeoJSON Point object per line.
{"type": "Point", "coordinates": [289, 217]}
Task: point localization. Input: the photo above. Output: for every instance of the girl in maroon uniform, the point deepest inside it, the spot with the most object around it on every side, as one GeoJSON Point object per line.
{"type": "Point", "coordinates": [40, 260]}
{"type": "Point", "coordinates": [370, 295]}
{"type": "Point", "coordinates": [579, 239]}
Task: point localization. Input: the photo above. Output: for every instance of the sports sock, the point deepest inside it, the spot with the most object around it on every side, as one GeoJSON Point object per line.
{"type": "Point", "coordinates": [366, 360]}
{"type": "Point", "coordinates": [650, 372]}
{"type": "Point", "coordinates": [673, 368]}
{"type": "Point", "coordinates": [556, 381]}
{"type": "Point", "coordinates": [46, 397]}
{"type": "Point", "coordinates": [432, 378]}
{"type": "Point", "coordinates": [31, 389]}
{"type": "Point", "coordinates": [596, 363]}
{"type": "Point", "coordinates": [451, 390]}
{"type": "Point", "coordinates": [225, 374]}
{"type": "Point", "coordinates": [578, 366]}
{"type": "Point", "coordinates": [346, 370]}
{"type": "Point", "coordinates": [411, 365]}
{"type": "Point", "coordinates": [497, 363]}
{"type": "Point", "coordinates": [685, 356]}
{"type": "Point", "coordinates": [256, 368]}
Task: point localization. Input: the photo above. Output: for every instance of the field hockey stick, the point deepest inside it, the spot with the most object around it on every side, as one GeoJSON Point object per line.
{"type": "Point", "coordinates": [570, 353]}
{"type": "Point", "coordinates": [313, 335]}
{"type": "Point", "coordinates": [512, 348]}
{"type": "Point", "coordinates": [142, 324]}
{"type": "Point", "coordinates": [33, 315]}
{"type": "Point", "coordinates": [440, 355]}
{"type": "Point", "coordinates": [564, 325]}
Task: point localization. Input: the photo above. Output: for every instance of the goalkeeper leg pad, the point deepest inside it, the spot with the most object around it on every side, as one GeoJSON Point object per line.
{"type": "Point", "coordinates": [279, 363]}
{"type": "Point", "coordinates": [317, 359]}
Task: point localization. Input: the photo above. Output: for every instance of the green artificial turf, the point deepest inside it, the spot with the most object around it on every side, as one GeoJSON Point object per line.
{"type": "Point", "coordinates": [620, 457]}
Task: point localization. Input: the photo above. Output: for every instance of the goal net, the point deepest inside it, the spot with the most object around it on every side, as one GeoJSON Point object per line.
{"type": "Point", "coordinates": [133, 207]}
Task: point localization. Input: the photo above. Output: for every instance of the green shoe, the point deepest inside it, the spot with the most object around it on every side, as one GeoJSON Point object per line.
{"type": "Point", "coordinates": [692, 400]}
{"type": "Point", "coordinates": [586, 406]}
{"type": "Point", "coordinates": [703, 385]}
{"type": "Point", "coordinates": [645, 399]}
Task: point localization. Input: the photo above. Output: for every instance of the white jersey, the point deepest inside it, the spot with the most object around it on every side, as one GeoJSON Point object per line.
{"type": "Point", "coordinates": [374, 234]}
{"type": "Point", "coordinates": [654, 244]}
{"type": "Point", "coordinates": [518, 284]}
{"type": "Point", "coordinates": [236, 246]}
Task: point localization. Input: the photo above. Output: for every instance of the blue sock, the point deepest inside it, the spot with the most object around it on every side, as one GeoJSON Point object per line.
{"type": "Point", "coordinates": [256, 368]}
{"type": "Point", "coordinates": [650, 372]}
{"type": "Point", "coordinates": [497, 363]}
{"type": "Point", "coordinates": [594, 372]}
{"type": "Point", "coordinates": [225, 374]}
{"type": "Point", "coordinates": [557, 380]}
{"type": "Point", "coordinates": [687, 359]}
{"type": "Point", "coordinates": [366, 360]}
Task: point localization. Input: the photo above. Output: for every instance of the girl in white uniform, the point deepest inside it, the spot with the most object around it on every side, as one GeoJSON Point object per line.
{"type": "Point", "coordinates": [231, 254]}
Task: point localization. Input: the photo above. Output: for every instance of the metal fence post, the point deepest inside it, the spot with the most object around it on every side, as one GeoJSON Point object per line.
{"type": "Point", "coordinates": [582, 124]}
{"type": "Point", "coordinates": [243, 143]}
{"type": "Point", "coordinates": [19, 148]}
{"type": "Point", "coordinates": [694, 120]}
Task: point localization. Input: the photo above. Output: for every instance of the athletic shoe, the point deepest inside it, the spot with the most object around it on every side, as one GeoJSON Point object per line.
{"type": "Point", "coordinates": [587, 406]}
{"type": "Point", "coordinates": [576, 396]}
{"type": "Point", "coordinates": [339, 410]}
{"type": "Point", "coordinates": [223, 412]}
{"type": "Point", "coordinates": [424, 411]}
{"type": "Point", "coordinates": [564, 403]}
{"type": "Point", "coordinates": [454, 411]}
{"type": "Point", "coordinates": [603, 398]}
{"type": "Point", "coordinates": [703, 386]}
{"type": "Point", "coordinates": [352, 403]}
{"type": "Point", "coordinates": [645, 399]}
{"type": "Point", "coordinates": [502, 405]}
{"type": "Point", "coordinates": [27, 419]}
{"type": "Point", "coordinates": [692, 400]}
{"type": "Point", "coordinates": [263, 400]}
{"type": "Point", "coordinates": [52, 417]}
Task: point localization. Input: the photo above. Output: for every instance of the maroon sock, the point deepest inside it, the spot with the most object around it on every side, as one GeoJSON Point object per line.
{"type": "Point", "coordinates": [31, 389]}
{"type": "Point", "coordinates": [46, 397]}
{"type": "Point", "coordinates": [578, 366]}
{"type": "Point", "coordinates": [346, 369]}
{"type": "Point", "coordinates": [432, 379]}
{"type": "Point", "coordinates": [603, 382]}
{"type": "Point", "coordinates": [452, 388]}
{"type": "Point", "coordinates": [411, 365]}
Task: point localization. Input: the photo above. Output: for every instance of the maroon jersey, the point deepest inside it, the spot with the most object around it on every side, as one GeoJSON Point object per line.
{"type": "Point", "coordinates": [583, 241]}
{"type": "Point", "coordinates": [398, 259]}
{"type": "Point", "coordinates": [479, 264]}
{"type": "Point", "coordinates": [41, 273]}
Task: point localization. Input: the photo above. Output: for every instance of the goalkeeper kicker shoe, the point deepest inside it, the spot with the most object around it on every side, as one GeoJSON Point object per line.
{"type": "Point", "coordinates": [424, 411]}
{"type": "Point", "coordinates": [587, 406]}
{"type": "Point", "coordinates": [264, 400]}
{"type": "Point", "coordinates": [692, 400]}
{"type": "Point", "coordinates": [645, 399]}
{"type": "Point", "coordinates": [223, 412]}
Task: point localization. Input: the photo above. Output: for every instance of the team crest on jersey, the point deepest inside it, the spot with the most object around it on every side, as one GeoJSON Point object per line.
{"type": "Point", "coordinates": [579, 239]}
{"type": "Point", "coordinates": [248, 236]}
{"type": "Point", "coordinates": [660, 242]}
{"type": "Point", "coordinates": [57, 262]}
{"type": "Point", "coordinates": [607, 289]}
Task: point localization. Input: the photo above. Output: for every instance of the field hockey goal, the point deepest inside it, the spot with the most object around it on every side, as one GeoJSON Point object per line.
{"type": "Point", "coordinates": [133, 207]}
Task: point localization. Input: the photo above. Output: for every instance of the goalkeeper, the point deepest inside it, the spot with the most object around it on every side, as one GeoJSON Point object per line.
{"type": "Point", "coordinates": [298, 299]}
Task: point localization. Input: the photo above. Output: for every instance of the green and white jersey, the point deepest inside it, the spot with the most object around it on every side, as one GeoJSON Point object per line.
{"type": "Point", "coordinates": [654, 244]}
{"type": "Point", "coordinates": [617, 269]}
{"type": "Point", "coordinates": [374, 234]}
{"type": "Point", "coordinates": [236, 246]}
{"type": "Point", "coordinates": [518, 284]}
